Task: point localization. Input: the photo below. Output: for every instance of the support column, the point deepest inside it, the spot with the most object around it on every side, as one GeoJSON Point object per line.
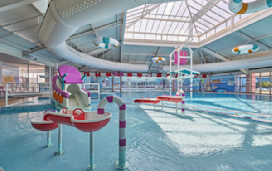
{"type": "Point", "coordinates": [60, 149]}
{"type": "Point", "coordinates": [1, 75]}
{"type": "Point", "coordinates": [92, 165]}
{"type": "Point", "coordinates": [112, 84]}
{"type": "Point", "coordinates": [49, 144]}
{"type": "Point", "coordinates": [120, 84]}
{"type": "Point", "coordinates": [191, 87]}
{"type": "Point", "coordinates": [50, 81]}
{"type": "Point", "coordinates": [208, 84]}
{"type": "Point", "coordinates": [251, 83]}
{"type": "Point", "coordinates": [28, 76]}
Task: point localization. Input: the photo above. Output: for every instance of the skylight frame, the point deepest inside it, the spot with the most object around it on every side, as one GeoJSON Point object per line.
{"type": "Point", "coordinates": [163, 20]}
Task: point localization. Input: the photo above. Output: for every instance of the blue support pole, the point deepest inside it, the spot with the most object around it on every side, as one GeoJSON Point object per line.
{"type": "Point", "coordinates": [92, 165]}
{"type": "Point", "coordinates": [49, 144]}
{"type": "Point", "coordinates": [60, 149]}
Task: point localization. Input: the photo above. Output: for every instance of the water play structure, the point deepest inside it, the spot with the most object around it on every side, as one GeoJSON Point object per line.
{"type": "Point", "coordinates": [68, 90]}
{"type": "Point", "coordinates": [239, 7]}
{"type": "Point", "coordinates": [244, 49]}
{"type": "Point", "coordinates": [74, 113]}
{"type": "Point", "coordinates": [173, 99]}
{"type": "Point", "coordinates": [178, 58]}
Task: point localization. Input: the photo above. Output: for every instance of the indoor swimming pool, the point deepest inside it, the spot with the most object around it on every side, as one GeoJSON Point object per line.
{"type": "Point", "coordinates": [156, 139]}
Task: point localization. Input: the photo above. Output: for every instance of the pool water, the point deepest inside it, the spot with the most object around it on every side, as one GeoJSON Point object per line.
{"type": "Point", "coordinates": [156, 140]}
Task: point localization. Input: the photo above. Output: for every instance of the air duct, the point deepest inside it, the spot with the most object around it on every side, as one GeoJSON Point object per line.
{"type": "Point", "coordinates": [64, 17]}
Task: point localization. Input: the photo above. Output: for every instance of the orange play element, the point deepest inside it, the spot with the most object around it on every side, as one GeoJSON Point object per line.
{"type": "Point", "coordinates": [60, 99]}
{"type": "Point", "coordinates": [157, 61]}
{"type": "Point", "coordinates": [160, 58]}
{"type": "Point", "coordinates": [57, 97]}
{"type": "Point", "coordinates": [236, 49]}
{"type": "Point", "coordinates": [249, 51]}
{"type": "Point", "coordinates": [243, 9]}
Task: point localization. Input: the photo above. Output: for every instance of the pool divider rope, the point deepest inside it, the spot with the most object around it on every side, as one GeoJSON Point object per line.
{"type": "Point", "coordinates": [121, 163]}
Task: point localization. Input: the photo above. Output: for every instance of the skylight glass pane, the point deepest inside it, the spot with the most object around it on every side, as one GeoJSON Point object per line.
{"type": "Point", "coordinates": [129, 35]}
{"type": "Point", "coordinates": [154, 11]}
{"type": "Point", "coordinates": [214, 16]}
{"type": "Point", "coordinates": [137, 27]}
{"type": "Point", "coordinates": [149, 26]}
{"type": "Point", "coordinates": [168, 8]}
{"type": "Point", "coordinates": [161, 8]}
{"type": "Point", "coordinates": [161, 27]}
{"type": "Point", "coordinates": [182, 9]}
{"type": "Point", "coordinates": [193, 11]}
{"type": "Point", "coordinates": [182, 31]}
{"type": "Point", "coordinates": [176, 31]}
{"type": "Point", "coordinates": [138, 36]}
{"type": "Point", "coordinates": [149, 36]}
{"type": "Point", "coordinates": [176, 8]}
{"type": "Point", "coordinates": [173, 26]}
{"type": "Point", "coordinates": [155, 26]}
{"type": "Point", "coordinates": [201, 26]}
{"type": "Point", "coordinates": [221, 12]}
{"type": "Point", "coordinates": [167, 27]}
{"type": "Point", "coordinates": [221, 27]}
{"type": "Point", "coordinates": [172, 38]}
{"type": "Point", "coordinates": [143, 25]}
{"type": "Point", "coordinates": [207, 23]}
{"type": "Point", "coordinates": [182, 38]}
{"type": "Point", "coordinates": [195, 5]}
{"type": "Point", "coordinates": [214, 22]}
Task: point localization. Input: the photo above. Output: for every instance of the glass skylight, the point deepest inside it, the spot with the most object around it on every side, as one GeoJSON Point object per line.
{"type": "Point", "coordinates": [171, 21]}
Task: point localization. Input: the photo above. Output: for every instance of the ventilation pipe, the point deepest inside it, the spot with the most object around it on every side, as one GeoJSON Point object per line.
{"type": "Point", "coordinates": [64, 17]}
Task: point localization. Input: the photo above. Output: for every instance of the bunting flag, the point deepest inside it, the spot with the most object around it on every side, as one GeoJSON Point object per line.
{"type": "Point", "coordinates": [145, 75]}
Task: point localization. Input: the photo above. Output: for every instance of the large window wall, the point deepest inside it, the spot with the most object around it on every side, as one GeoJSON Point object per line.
{"type": "Point", "coordinates": [22, 78]}
{"type": "Point", "coordinates": [259, 83]}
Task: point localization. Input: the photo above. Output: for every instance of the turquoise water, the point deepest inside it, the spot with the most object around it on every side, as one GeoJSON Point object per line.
{"type": "Point", "coordinates": [156, 140]}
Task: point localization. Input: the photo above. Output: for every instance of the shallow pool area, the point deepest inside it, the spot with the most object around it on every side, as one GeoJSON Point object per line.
{"type": "Point", "coordinates": [156, 139]}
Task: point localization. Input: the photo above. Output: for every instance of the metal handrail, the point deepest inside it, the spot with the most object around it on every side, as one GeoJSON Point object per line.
{"type": "Point", "coordinates": [23, 89]}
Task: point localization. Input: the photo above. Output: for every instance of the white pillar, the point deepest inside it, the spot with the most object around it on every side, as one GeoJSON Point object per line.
{"type": "Point", "coordinates": [6, 94]}
{"type": "Point", "coordinates": [50, 81]}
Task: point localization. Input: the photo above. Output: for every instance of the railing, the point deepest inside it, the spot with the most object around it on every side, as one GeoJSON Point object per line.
{"type": "Point", "coordinates": [143, 88]}
{"type": "Point", "coordinates": [93, 88]}
{"type": "Point", "coordinates": [24, 89]}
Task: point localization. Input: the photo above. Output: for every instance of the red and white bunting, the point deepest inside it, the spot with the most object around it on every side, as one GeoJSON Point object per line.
{"type": "Point", "coordinates": [145, 75]}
